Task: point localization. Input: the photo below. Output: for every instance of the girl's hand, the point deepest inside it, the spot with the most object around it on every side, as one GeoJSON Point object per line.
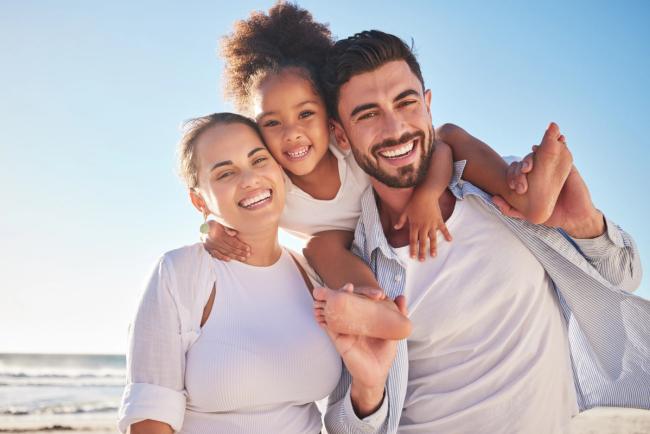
{"type": "Point", "coordinates": [425, 220]}
{"type": "Point", "coordinates": [222, 243]}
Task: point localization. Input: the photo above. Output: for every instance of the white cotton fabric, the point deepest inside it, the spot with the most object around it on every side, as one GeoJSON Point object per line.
{"type": "Point", "coordinates": [258, 364]}
{"type": "Point", "coordinates": [304, 216]}
{"type": "Point", "coordinates": [489, 349]}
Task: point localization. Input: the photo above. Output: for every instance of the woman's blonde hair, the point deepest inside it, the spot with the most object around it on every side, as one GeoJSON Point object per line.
{"type": "Point", "coordinates": [192, 130]}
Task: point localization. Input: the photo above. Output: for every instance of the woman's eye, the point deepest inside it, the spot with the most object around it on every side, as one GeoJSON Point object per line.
{"type": "Point", "coordinates": [223, 175]}
{"type": "Point", "coordinates": [305, 114]}
{"type": "Point", "coordinates": [270, 123]}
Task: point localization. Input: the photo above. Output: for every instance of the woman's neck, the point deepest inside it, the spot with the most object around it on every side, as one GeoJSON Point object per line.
{"type": "Point", "coordinates": [312, 183]}
{"type": "Point", "coordinates": [265, 247]}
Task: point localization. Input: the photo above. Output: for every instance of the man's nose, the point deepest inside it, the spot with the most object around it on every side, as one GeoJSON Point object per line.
{"type": "Point", "coordinates": [393, 126]}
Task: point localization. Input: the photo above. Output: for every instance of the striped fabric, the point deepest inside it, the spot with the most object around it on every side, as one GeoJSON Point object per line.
{"type": "Point", "coordinates": [609, 328]}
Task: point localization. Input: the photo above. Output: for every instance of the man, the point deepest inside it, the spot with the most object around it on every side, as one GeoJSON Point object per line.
{"type": "Point", "coordinates": [494, 347]}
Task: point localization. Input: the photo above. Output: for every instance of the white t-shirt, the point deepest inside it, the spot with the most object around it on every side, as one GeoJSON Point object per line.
{"type": "Point", "coordinates": [489, 349]}
{"type": "Point", "coordinates": [304, 216]}
{"type": "Point", "coordinates": [257, 365]}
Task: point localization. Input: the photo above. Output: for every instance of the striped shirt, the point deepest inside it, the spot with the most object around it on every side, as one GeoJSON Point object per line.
{"type": "Point", "coordinates": [608, 327]}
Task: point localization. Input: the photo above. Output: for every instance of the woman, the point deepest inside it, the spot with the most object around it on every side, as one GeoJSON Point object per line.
{"type": "Point", "coordinates": [227, 346]}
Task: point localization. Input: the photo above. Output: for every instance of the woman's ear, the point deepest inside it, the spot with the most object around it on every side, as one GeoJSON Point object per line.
{"type": "Point", "coordinates": [198, 202]}
{"type": "Point", "coordinates": [339, 135]}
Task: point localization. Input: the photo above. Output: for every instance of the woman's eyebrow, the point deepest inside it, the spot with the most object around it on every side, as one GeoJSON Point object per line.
{"type": "Point", "coordinates": [229, 162]}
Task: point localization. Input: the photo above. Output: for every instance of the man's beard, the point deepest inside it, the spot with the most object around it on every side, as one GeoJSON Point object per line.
{"type": "Point", "coordinates": [409, 175]}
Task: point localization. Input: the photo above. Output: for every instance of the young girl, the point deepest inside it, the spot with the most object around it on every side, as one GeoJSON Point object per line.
{"type": "Point", "coordinates": [272, 63]}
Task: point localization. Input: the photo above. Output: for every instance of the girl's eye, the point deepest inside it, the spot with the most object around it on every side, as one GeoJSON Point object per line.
{"type": "Point", "coordinates": [305, 114]}
{"type": "Point", "coordinates": [270, 123]}
{"type": "Point", "coordinates": [259, 160]}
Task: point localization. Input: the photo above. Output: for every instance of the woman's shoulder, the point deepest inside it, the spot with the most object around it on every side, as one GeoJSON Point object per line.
{"type": "Point", "coordinates": [187, 269]}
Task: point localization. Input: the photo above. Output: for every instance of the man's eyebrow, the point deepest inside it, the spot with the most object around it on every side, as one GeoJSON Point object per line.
{"type": "Point", "coordinates": [406, 93]}
{"type": "Point", "coordinates": [363, 107]}
{"type": "Point", "coordinates": [229, 162]}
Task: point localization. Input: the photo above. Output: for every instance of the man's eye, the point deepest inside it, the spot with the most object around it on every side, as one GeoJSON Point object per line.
{"type": "Point", "coordinates": [368, 115]}
{"type": "Point", "coordinates": [259, 160]}
{"type": "Point", "coordinates": [270, 123]}
{"type": "Point", "coordinates": [305, 114]}
{"type": "Point", "coordinates": [407, 102]}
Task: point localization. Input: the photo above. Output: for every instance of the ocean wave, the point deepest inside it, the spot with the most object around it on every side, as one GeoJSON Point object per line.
{"type": "Point", "coordinates": [60, 409]}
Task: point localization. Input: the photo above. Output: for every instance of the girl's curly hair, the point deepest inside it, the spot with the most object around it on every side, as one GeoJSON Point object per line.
{"type": "Point", "coordinates": [263, 44]}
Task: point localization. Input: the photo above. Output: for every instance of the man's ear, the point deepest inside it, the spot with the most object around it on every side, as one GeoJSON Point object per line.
{"type": "Point", "coordinates": [340, 136]}
{"type": "Point", "coordinates": [198, 201]}
{"type": "Point", "coordinates": [427, 100]}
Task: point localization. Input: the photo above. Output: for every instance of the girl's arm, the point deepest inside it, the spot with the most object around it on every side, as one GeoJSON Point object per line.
{"type": "Point", "coordinates": [328, 253]}
{"type": "Point", "coordinates": [151, 427]}
{"type": "Point", "coordinates": [486, 169]}
{"type": "Point", "coordinates": [423, 210]}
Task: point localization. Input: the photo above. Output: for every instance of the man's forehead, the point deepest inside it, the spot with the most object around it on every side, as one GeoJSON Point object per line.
{"type": "Point", "coordinates": [387, 81]}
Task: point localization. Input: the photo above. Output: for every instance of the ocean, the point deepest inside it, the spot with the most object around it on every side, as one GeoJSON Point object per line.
{"type": "Point", "coordinates": [46, 392]}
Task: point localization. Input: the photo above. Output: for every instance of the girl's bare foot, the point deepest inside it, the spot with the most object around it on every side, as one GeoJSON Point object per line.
{"type": "Point", "coordinates": [342, 311]}
{"type": "Point", "coordinates": [552, 162]}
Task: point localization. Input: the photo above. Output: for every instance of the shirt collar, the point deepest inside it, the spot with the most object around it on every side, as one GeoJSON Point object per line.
{"type": "Point", "coordinates": [370, 235]}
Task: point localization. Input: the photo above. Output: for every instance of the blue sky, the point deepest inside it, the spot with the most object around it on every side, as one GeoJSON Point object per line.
{"type": "Point", "coordinates": [92, 95]}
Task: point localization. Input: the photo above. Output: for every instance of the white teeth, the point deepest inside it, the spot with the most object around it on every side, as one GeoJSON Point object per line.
{"type": "Point", "coordinates": [247, 203]}
{"type": "Point", "coordinates": [399, 152]}
{"type": "Point", "coordinates": [301, 152]}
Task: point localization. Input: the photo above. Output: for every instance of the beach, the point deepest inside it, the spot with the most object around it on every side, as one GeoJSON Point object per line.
{"type": "Point", "coordinates": [43, 393]}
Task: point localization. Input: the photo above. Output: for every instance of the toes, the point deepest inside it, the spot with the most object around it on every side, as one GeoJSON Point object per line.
{"type": "Point", "coordinates": [321, 293]}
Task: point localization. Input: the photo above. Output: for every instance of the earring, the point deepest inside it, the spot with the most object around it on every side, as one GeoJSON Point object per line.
{"type": "Point", "coordinates": [205, 228]}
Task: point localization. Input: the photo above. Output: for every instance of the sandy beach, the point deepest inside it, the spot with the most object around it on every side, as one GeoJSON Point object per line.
{"type": "Point", "coordinates": [595, 421]}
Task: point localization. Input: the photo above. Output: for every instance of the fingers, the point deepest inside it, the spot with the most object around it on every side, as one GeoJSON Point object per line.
{"type": "Point", "coordinates": [422, 243]}
{"type": "Point", "coordinates": [445, 232]}
{"type": "Point", "coordinates": [348, 287]}
{"type": "Point", "coordinates": [527, 163]}
{"type": "Point", "coordinates": [218, 255]}
{"type": "Point", "coordinates": [400, 302]}
{"type": "Point", "coordinates": [401, 222]}
{"type": "Point", "coordinates": [516, 179]}
{"type": "Point", "coordinates": [413, 243]}
{"type": "Point", "coordinates": [505, 208]}
{"type": "Point", "coordinates": [369, 292]}
{"type": "Point", "coordinates": [433, 243]}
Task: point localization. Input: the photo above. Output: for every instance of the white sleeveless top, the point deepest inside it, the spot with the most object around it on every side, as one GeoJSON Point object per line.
{"type": "Point", "coordinates": [257, 365]}
{"type": "Point", "coordinates": [304, 216]}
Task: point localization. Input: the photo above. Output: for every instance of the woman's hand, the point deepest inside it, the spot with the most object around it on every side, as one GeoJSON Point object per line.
{"type": "Point", "coordinates": [222, 243]}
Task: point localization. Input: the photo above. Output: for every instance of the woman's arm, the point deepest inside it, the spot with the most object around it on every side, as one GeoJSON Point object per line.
{"type": "Point", "coordinates": [154, 393]}
{"type": "Point", "coordinates": [150, 427]}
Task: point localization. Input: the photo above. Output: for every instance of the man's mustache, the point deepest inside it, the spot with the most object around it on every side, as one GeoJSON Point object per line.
{"type": "Point", "coordinates": [405, 138]}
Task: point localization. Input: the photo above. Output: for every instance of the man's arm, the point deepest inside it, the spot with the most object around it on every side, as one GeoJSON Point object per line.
{"type": "Point", "coordinates": [610, 250]}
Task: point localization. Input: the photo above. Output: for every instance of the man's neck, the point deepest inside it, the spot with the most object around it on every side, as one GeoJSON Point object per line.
{"type": "Point", "coordinates": [392, 202]}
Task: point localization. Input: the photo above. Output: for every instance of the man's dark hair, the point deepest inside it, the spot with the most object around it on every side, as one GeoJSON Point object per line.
{"type": "Point", "coordinates": [363, 52]}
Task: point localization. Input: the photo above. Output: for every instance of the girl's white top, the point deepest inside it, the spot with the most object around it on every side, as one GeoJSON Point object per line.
{"type": "Point", "coordinates": [304, 216]}
{"type": "Point", "coordinates": [256, 366]}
